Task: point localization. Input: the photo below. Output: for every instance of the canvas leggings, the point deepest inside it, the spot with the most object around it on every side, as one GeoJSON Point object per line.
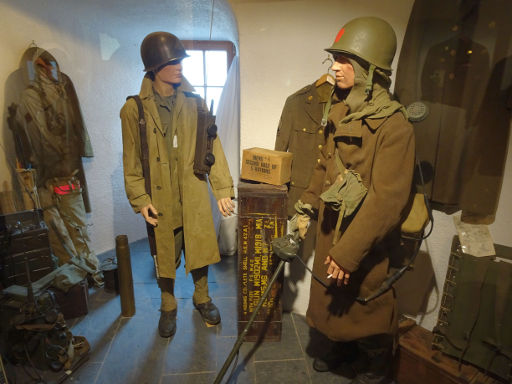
{"type": "Point", "coordinates": [199, 276]}
{"type": "Point", "coordinates": [65, 217]}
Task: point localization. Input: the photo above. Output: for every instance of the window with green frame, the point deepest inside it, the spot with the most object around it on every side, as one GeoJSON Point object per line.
{"type": "Point", "coordinates": [207, 67]}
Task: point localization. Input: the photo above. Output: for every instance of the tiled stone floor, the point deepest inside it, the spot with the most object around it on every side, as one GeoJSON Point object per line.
{"type": "Point", "coordinates": [129, 350]}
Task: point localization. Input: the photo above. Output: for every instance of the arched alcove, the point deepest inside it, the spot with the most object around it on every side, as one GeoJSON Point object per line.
{"type": "Point", "coordinates": [96, 43]}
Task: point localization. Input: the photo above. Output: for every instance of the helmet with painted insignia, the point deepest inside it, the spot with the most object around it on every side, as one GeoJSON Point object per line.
{"type": "Point", "coordinates": [369, 38]}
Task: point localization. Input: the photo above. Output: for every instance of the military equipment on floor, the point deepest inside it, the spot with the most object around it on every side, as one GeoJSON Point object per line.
{"type": "Point", "coordinates": [75, 302]}
{"type": "Point", "coordinates": [110, 275]}
{"type": "Point", "coordinates": [418, 363]}
{"type": "Point", "coordinates": [24, 234]}
{"type": "Point", "coordinates": [159, 48]}
{"type": "Point", "coordinates": [476, 310]}
{"type": "Point", "coordinates": [34, 333]}
{"type": "Point", "coordinates": [125, 276]}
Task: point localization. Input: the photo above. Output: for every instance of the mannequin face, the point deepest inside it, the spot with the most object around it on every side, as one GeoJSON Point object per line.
{"type": "Point", "coordinates": [170, 73]}
{"type": "Point", "coordinates": [344, 72]}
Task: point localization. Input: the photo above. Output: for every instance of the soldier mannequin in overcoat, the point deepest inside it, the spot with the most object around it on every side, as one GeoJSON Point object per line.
{"type": "Point", "coordinates": [178, 207]}
{"type": "Point", "coordinates": [369, 147]}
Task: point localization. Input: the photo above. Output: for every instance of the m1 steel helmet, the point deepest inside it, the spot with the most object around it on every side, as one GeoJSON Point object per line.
{"type": "Point", "coordinates": [369, 38]}
{"type": "Point", "coordinates": [159, 48]}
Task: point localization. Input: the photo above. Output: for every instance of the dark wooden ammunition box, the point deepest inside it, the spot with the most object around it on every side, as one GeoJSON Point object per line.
{"type": "Point", "coordinates": [23, 235]}
{"type": "Point", "coordinates": [262, 217]}
{"type": "Point", "coordinates": [75, 302]}
{"type": "Point", "coordinates": [418, 363]}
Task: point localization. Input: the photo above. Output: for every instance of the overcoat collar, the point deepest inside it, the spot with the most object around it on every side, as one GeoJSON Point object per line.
{"type": "Point", "coordinates": [354, 128]}
{"type": "Point", "coordinates": [147, 94]}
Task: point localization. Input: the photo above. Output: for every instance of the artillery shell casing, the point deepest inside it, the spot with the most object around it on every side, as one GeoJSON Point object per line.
{"type": "Point", "coordinates": [124, 266]}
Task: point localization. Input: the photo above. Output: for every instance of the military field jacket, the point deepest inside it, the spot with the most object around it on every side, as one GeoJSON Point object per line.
{"type": "Point", "coordinates": [301, 132]}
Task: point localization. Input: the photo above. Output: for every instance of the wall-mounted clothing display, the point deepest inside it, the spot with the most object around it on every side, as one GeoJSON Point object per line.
{"type": "Point", "coordinates": [54, 129]}
{"type": "Point", "coordinates": [301, 132]}
{"type": "Point", "coordinates": [453, 59]}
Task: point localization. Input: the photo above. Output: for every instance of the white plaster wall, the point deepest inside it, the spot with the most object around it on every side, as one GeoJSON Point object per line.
{"type": "Point", "coordinates": [281, 50]}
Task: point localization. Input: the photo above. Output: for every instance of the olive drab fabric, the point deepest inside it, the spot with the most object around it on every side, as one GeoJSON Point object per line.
{"type": "Point", "coordinates": [159, 48]}
{"type": "Point", "coordinates": [369, 38]}
{"type": "Point", "coordinates": [50, 114]}
{"type": "Point", "coordinates": [200, 238]}
{"type": "Point", "coordinates": [476, 311]}
{"type": "Point", "coordinates": [454, 59]}
{"type": "Point", "coordinates": [382, 152]}
{"type": "Point", "coordinates": [300, 132]}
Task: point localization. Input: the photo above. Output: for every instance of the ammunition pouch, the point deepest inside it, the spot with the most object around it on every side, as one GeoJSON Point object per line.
{"type": "Point", "coordinates": [206, 133]}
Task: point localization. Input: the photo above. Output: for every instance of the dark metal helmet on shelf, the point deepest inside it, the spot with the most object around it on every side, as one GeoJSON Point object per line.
{"type": "Point", "coordinates": [369, 38]}
{"type": "Point", "coordinates": [159, 48]}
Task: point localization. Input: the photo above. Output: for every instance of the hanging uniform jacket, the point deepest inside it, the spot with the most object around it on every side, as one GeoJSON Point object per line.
{"type": "Point", "coordinates": [50, 113]}
{"type": "Point", "coordinates": [452, 59]}
{"type": "Point", "coordinates": [301, 132]}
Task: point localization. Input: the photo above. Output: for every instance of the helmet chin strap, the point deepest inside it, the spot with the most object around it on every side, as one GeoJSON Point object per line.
{"type": "Point", "coordinates": [369, 80]}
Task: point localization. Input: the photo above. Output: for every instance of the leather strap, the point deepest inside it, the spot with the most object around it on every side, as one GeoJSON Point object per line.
{"type": "Point", "coordinates": [144, 155]}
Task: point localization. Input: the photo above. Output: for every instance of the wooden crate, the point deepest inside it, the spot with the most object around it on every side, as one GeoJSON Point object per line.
{"type": "Point", "coordinates": [24, 237]}
{"type": "Point", "coordinates": [75, 302]}
{"type": "Point", "coordinates": [418, 363]}
{"type": "Point", "coordinates": [262, 217]}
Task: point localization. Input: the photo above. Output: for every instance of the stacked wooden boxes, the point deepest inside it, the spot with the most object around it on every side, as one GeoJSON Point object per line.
{"type": "Point", "coordinates": [24, 242]}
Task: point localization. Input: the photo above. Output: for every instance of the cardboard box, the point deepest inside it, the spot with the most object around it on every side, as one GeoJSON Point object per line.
{"type": "Point", "coordinates": [266, 166]}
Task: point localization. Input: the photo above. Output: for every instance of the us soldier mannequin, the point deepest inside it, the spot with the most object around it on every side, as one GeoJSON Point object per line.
{"type": "Point", "coordinates": [368, 160]}
{"type": "Point", "coordinates": [179, 205]}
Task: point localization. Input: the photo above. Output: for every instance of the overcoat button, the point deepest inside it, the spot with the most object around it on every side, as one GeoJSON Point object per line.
{"type": "Point", "coordinates": [154, 130]}
{"type": "Point", "coordinates": [158, 187]}
{"type": "Point", "coordinates": [157, 159]}
{"type": "Point", "coordinates": [160, 214]}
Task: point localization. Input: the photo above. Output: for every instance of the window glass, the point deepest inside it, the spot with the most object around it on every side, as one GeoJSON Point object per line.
{"type": "Point", "coordinates": [213, 93]}
{"type": "Point", "coordinates": [216, 67]}
{"type": "Point", "coordinates": [200, 91]}
{"type": "Point", "coordinates": [193, 68]}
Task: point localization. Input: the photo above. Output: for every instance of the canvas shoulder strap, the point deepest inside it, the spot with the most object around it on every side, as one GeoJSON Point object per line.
{"type": "Point", "coordinates": [143, 143]}
{"type": "Point", "coordinates": [144, 155]}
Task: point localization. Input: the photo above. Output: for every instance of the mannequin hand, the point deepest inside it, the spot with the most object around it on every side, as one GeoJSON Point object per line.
{"type": "Point", "coordinates": [303, 225]}
{"type": "Point", "coordinates": [226, 206]}
{"type": "Point", "coordinates": [336, 272]}
{"type": "Point", "coordinates": [147, 212]}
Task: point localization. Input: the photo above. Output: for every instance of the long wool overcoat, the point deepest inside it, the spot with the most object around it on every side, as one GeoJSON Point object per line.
{"type": "Point", "coordinates": [382, 152]}
{"type": "Point", "coordinates": [200, 238]}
